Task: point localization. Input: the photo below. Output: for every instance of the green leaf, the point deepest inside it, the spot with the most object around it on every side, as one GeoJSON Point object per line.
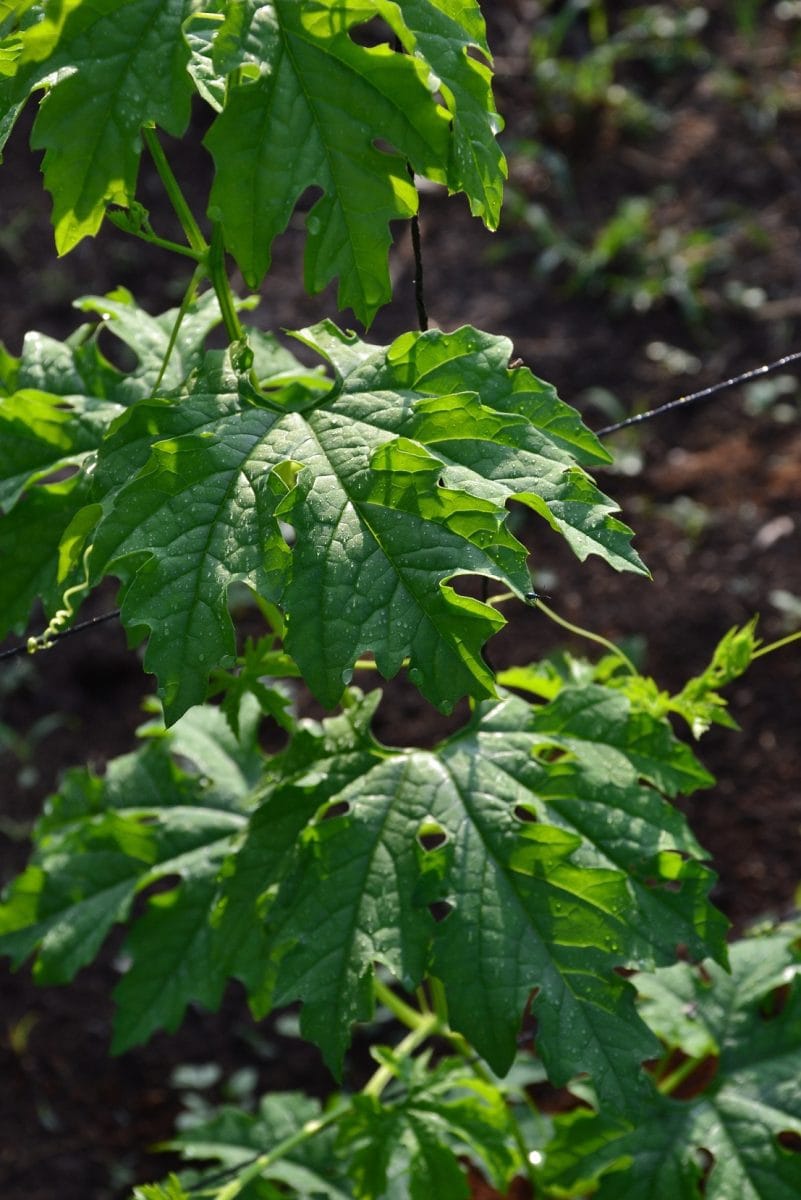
{"type": "Point", "coordinates": [699, 701]}
{"type": "Point", "coordinates": [443, 33]}
{"type": "Point", "coordinates": [101, 842]}
{"type": "Point", "coordinates": [30, 536]}
{"type": "Point", "coordinates": [253, 666]}
{"type": "Point", "coordinates": [628, 744]}
{"type": "Point", "coordinates": [295, 120]}
{"type": "Point", "coordinates": [596, 795]}
{"type": "Point", "coordinates": [554, 874]}
{"type": "Point", "coordinates": [442, 1113]}
{"type": "Point", "coordinates": [167, 349]}
{"type": "Point", "coordinates": [67, 394]}
{"type": "Point", "coordinates": [318, 763]}
{"type": "Point", "coordinates": [392, 489]}
{"type": "Point", "coordinates": [742, 1123]}
{"type": "Point", "coordinates": [170, 1189]}
{"type": "Point", "coordinates": [41, 434]}
{"type": "Point", "coordinates": [120, 66]}
{"type": "Point", "coordinates": [234, 1139]}
{"type": "Point", "coordinates": [186, 528]}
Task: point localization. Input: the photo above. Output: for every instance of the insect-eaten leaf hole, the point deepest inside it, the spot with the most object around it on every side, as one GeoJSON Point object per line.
{"type": "Point", "coordinates": [706, 1161]}
{"type": "Point", "coordinates": [440, 910]}
{"type": "Point", "coordinates": [431, 835]}
{"type": "Point", "coordinates": [775, 1002]}
{"type": "Point", "coordinates": [525, 814]}
{"type": "Point", "coordinates": [789, 1140]}
{"type": "Point", "coordinates": [337, 809]}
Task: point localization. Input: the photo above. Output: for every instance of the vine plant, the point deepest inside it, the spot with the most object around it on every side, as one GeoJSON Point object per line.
{"type": "Point", "coordinates": [528, 870]}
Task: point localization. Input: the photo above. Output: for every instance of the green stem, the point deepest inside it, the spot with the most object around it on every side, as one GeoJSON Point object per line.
{"type": "Point", "coordinates": [468, 1054]}
{"type": "Point", "coordinates": [426, 1028]}
{"type": "Point", "coordinates": [407, 1015]}
{"type": "Point", "coordinates": [222, 287]}
{"type": "Point", "coordinates": [669, 1083]}
{"type": "Point", "coordinates": [785, 641]}
{"type": "Point", "coordinates": [189, 296]}
{"type": "Point", "coordinates": [260, 1164]}
{"type": "Point", "coordinates": [153, 239]}
{"type": "Point", "coordinates": [422, 1028]}
{"type": "Point", "coordinates": [586, 633]}
{"type": "Point", "coordinates": [173, 189]}
{"type": "Point", "coordinates": [439, 1001]}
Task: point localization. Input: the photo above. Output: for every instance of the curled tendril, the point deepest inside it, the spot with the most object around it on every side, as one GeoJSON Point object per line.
{"type": "Point", "coordinates": [61, 619]}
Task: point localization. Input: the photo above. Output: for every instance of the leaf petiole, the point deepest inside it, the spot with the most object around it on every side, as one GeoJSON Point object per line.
{"type": "Point", "coordinates": [669, 1083]}
{"type": "Point", "coordinates": [407, 1015]}
{"type": "Point", "coordinates": [215, 260]}
{"type": "Point", "coordinates": [189, 296]}
{"type": "Point", "coordinates": [586, 633]}
{"type": "Point", "coordinates": [260, 1164]}
{"type": "Point", "coordinates": [173, 189]}
{"type": "Point", "coordinates": [426, 1028]}
{"type": "Point", "coordinates": [785, 641]}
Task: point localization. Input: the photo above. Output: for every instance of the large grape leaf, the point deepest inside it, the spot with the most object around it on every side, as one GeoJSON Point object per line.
{"type": "Point", "coordinates": [545, 906]}
{"type": "Point", "coordinates": [739, 1136]}
{"type": "Point", "coordinates": [349, 853]}
{"type": "Point", "coordinates": [112, 67]}
{"type": "Point", "coordinates": [103, 841]}
{"type": "Point", "coordinates": [300, 123]}
{"type": "Point", "coordinates": [393, 485]}
{"type": "Point", "coordinates": [64, 398]}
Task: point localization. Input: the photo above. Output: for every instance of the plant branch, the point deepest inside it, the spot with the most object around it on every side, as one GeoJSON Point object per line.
{"type": "Point", "coordinates": [260, 1164]}
{"type": "Point", "coordinates": [408, 1016]}
{"type": "Point", "coordinates": [426, 1028]}
{"type": "Point", "coordinates": [173, 189]}
{"type": "Point", "coordinates": [189, 296]}
{"type": "Point", "coordinates": [222, 287]}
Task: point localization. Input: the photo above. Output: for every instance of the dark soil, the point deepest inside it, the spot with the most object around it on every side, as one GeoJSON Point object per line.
{"type": "Point", "coordinates": [713, 490]}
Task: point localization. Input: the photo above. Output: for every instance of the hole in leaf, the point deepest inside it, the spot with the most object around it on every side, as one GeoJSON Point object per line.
{"type": "Point", "coordinates": [775, 1002]}
{"type": "Point", "coordinates": [440, 910]}
{"type": "Point", "coordinates": [706, 1161]}
{"type": "Point", "coordinates": [60, 475]}
{"type": "Point", "coordinates": [550, 754]}
{"type": "Point", "coordinates": [337, 809]}
{"type": "Point", "coordinates": [525, 814]}
{"type": "Point", "coordinates": [385, 147]}
{"type": "Point", "coordinates": [703, 975]}
{"type": "Point", "coordinates": [116, 352]}
{"type": "Point", "coordinates": [432, 839]}
{"type": "Point", "coordinates": [186, 764]}
{"type": "Point", "coordinates": [790, 1140]}
{"type": "Point", "coordinates": [375, 32]}
{"type": "Point", "coordinates": [697, 1081]}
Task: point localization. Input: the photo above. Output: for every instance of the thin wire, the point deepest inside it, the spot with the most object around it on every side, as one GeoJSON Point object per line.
{"type": "Point", "coordinates": [56, 637]}
{"type": "Point", "coordinates": [419, 292]}
{"type": "Point", "coordinates": [693, 396]}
